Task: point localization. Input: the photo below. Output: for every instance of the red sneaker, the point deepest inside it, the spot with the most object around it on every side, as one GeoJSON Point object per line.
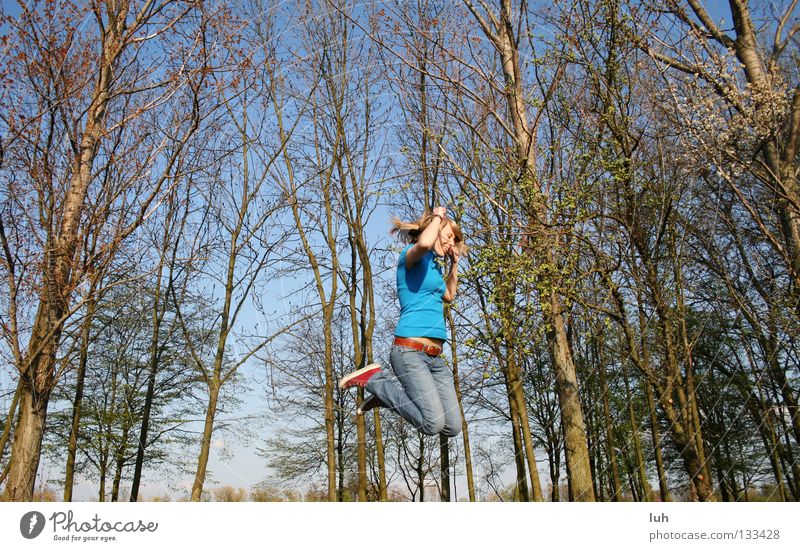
{"type": "Point", "coordinates": [360, 377]}
{"type": "Point", "coordinates": [368, 404]}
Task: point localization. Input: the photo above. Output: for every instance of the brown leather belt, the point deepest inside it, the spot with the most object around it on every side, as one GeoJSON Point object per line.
{"type": "Point", "coordinates": [429, 349]}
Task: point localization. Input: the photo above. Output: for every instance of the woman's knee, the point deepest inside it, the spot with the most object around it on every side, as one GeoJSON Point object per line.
{"type": "Point", "coordinates": [441, 425]}
{"type": "Point", "coordinates": [452, 428]}
{"type": "Point", "coordinates": [432, 424]}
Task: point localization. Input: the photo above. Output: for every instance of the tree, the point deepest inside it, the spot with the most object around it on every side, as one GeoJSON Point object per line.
{"type": "Point", "coordinates": [750, 107]}
{"type": "Point", "coordinates": [86, 85]}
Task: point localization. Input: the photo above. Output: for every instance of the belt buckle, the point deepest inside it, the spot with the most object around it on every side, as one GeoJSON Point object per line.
{"type": "Point", "coordinates": [428, 348]}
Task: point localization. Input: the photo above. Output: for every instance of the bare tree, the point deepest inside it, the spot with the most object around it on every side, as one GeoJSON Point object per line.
{"type": "Point", "coordinates": [750, 115]}
{"type": "Point", "coordinates": [242, 244]}
{"type": "Point", "coordinates": [88, 86]}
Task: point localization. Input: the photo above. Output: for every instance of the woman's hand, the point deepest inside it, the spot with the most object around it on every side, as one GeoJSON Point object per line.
{"type": "Point", "coordinates": [455, 254]}
{"type": "Point", "coordinates": [440, 211]}
{"type": "Point", "coordinates": [452, 277]}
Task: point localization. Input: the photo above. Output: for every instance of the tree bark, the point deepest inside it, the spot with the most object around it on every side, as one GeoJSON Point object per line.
{"type": "Point", "coordinates": [651, 407]}
{"type": "Point", "coordinates": [527, 439]}
{"type": "Point", "coordinates": [575, 446]}
{"type": "Point", "coordinates": [27, 445]}
{"type": "Point", "coordinates": [637, 446]}
{"type": "Point", "coordinates": [205, 444]}
{"type": "Point", "coordinates": [608, 423]}
{"type": "Point", "coordinates": [72, 445]}
{"type": "Point", "coordinates": [444, 467]}
{"type": "Point", "coordinates": [119, 463]}
{"type": "Point", "coordinates": [12, 419]}
{"type": "Point", "coordinates": [420, 467]}
{"type": "Point", "coordinates": [521, 489]}
{"type": "Point", "coordinates": [381, 457]}
{"type": "Point", "coordinates": [464, 426]}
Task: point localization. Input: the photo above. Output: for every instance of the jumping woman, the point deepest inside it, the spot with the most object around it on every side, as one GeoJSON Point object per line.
{"type": "Point", "coordinates": [426, 395]}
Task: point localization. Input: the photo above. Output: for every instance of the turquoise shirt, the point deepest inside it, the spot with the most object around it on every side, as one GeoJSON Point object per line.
{"type": "Point", "coordinates": [421, 292]}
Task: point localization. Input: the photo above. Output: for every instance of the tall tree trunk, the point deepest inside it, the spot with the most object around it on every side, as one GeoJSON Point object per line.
{"type": "Point", "coordinates": [357, 334]}
{"type": "Point", "coordinates": [758, 406]}
{"type": "Point", "coordinates": [327, 319]}
{"type": "Point", "coordinates": [39, 364]}
{"type": "Point", "coordinates": [159, 310]}
{"type": "Point", "coordinates": [359, 357]}
{"type": "Point", "coordinates": [521, 489]}
{"type": "Point", "coordinates": [367, 327]}
{"type": "Point", "coordinates": [733, 487]}
{"type": "Point", "coordinates": [608, 423]}
{"type": "Point", "coordinates": [147, 408]}
{"type": "Point", "coordinates": [593, 439]}
{"type": "Point", "coordinates": [681, 423]}
{"type": "Point", "coordinates": [12, 419]}
{"type": "Point", "coordinates": [36, 380]}
{"type": "Point", "coordinates": [361, 450]}
{"type": "Point", "coordinates": [444, 466]}
{"type": "Point", "coordinates": [516, 398]}
{"type": "Point", "coordinates": [381, 458]}
{"type": "Point", "coordinates": [27, 445]}
{"type": "Point", "coordinates": [656, 436]}
{"type": "Point", "coordinates": [774, 458]}
{"type": "Point", "coordinates": [778, 375]}
{"type": "Point", "coordinates": [651, 406]}
{"type": "Point", "coordinates": [575, 445]}
{"type": "Point", "coordinates": [119, 463]}
{"type": "Point", "coordinates": [464, 426]}
{"type": "Point", "coordinates": [327, 299]}
{"type": "Point", "coordinates": [340, 432]}
{"type": "Point", "coordinates": [685, 445]}
{"type": "Point", "coordinates": [693, 410]}
{"type": "Point", "coordinates": [420, 467]}
{"type": "Point", "coordinates": [545, 246]}
{"type": "Point", "coordinates": [694, 420]}
{"type": "Point", "coordinates": [782, 165]}
{"type": "Point", "coordinates": [553, 464]}
{"type": "Point", "coordinates": [101, 492]}
{"type": "Point", "coordinates": [205, 445]}
{"type": "Point", "coordinates": [632, 483]}
{"type": "Point", "coordinates": [72, 446]}
{"type": "Point", "coordinates": [637, 446]}
{"type": "Point", "coordinates": [527, 438]}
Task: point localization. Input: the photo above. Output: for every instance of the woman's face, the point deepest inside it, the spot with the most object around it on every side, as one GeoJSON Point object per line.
{"type": "Point", "coordinates": [446, 241]}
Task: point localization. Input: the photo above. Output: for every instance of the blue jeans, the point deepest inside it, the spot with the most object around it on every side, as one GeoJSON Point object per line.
{"type": "Point", "coordinates": [427, 398]}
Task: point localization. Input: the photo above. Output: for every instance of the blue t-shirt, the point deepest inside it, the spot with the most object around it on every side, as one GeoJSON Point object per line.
{"type": "Point", "coordinates": [420, 290]}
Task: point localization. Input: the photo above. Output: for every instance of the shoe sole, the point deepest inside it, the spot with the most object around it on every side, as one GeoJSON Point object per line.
{"type": "Point", "coordinates": [347, 378]}
{"type": "Point", "coordinates": [360, 411]}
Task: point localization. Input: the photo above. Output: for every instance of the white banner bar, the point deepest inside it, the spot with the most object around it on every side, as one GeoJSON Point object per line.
{"type": "Point", "coordinates": [399, 526]}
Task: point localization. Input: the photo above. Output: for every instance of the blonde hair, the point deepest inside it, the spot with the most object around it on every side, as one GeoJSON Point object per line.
{"type": "Point", "coordinates": [409, 232]}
